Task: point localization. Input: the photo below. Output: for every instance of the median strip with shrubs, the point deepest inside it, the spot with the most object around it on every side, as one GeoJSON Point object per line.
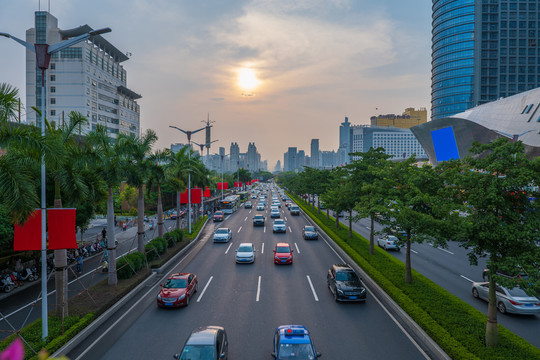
{"type": "Point", "coordinates": [456, 326]}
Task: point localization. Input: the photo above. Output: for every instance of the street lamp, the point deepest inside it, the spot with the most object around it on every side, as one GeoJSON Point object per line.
{"type": "Point", "coordinates": [43, 57]}
{"type": "Point", "coordinates": [188, 133]}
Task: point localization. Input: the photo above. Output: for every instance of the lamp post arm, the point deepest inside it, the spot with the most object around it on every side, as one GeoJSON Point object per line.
{"type": "Point", "coordinates": [22, 42]}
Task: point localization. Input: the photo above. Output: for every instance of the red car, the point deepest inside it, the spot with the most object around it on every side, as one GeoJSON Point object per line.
{"type": "Point", "coordinates": [218, 216]}
{"type": "Point", "coordinates": [178, 290]}
{"type": "Point", "coordinates": [283, 254]}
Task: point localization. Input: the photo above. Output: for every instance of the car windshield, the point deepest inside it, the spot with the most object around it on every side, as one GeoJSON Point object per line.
{"type": "Point", "coordinates": [198, 352]}
{"type": "Point", "coordinates": [245, 248]}
{"type": "Point", "coordinates": [295, 351]}
{"type": "Point", "coordinates": [222, 231]}
{"type": "Point", "coordinates": [309, 228]}
{"type": "Point", "coordinates": [283, 249]}
{"type": "Point", "coordinates": [258, 217]}
{"type": "Point", "coordinates": [279, 222]}
{"type": "Point", "coordinates": [176, 284]}
{"type": "Point", "coordinates": [346, 276]}
{"type": "Point", "coordinates": [218, 213]}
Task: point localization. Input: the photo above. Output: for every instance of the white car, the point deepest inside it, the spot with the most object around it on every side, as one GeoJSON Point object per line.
{"type": "Point", "coordinates": [223, 235]}
{"type": "Point", "coordinates": [275, 213]}
{"type": "Point", "coordinates": [515, 301]}
{"type": "Point", "coordinates": [274, 207]}
{"type": "Point", "coordinates": [279, 226]}
{"type": "Point", "coordinates": [389, 242]}
{"type": "Point", "coordinates": [260, 206]}
{"type": "Point", "coordinates": [276, 203]}
{"type": "Point", "coordinates": [245, 253]}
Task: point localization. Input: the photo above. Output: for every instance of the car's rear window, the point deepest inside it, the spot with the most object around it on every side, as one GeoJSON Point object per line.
{"type": "Point", "coordinates": [283, 249]}
{"type": "Point", "coordinates": [222, 231]}
{"type": "Point", "coordinates": [245, 248]}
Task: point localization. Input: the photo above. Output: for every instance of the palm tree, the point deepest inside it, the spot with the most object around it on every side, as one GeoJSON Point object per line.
{"type": "Point", "coordinates": [138, 171]}
{"type": "Point", "coordinates": [111, 156]}
{"type": "Point", "coordinates": [177, 175]}
{"type": "Point", "coordinates": [9, 102]}
{"type": "Point", "coordinates": [158, 178]}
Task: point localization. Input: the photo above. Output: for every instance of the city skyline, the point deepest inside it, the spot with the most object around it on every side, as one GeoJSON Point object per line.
{"type": "Point", "coordinates": [239, 62]}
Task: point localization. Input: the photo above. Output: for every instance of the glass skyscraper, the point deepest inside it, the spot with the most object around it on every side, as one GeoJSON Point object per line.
{"type": "Point", "coordinates": [482, 50]}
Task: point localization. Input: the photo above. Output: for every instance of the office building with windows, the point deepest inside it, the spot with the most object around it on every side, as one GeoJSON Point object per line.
{"type": "Point", "coordinates": [87, 78]}
{"type": "Point", "coordinates": [482, 51]}
{"type": "Point", "coordinates": [314, 157]}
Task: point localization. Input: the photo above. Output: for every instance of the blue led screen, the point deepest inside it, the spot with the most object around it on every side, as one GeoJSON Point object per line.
{"type": "Point", "coordinates": [444, 143]}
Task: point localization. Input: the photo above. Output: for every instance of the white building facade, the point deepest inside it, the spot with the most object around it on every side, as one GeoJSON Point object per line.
{"type": "Point", "coordinates": [87, 78]}
{"type": "Point", "coordinates": [397, 142]}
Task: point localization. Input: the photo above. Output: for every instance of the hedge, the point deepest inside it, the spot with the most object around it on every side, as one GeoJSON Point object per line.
{"type": "Point", "coordinates": [32, 334]}
{"type": "Point", "coordinates": [128, 265]}
{"type": "Point", "coordinates": [456, 326]}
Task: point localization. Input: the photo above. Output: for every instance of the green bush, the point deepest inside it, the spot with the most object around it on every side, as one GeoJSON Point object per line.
{"type": "Point", "coordinates": [150, 251]}
{"type": "Point", "coordinates": [455, 325]}
{"type": "Point", "coordinates": [178, 234]}
{"type": "Point", "coordinates": [128, 265]}
{"type": "Point", "coordinates": [161, 244]}
{"type": "Point", "coordinates": [171, 239]}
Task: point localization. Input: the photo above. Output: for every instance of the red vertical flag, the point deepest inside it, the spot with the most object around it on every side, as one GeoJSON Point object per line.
{"type": "Point", "coordinates": [206, 192]}
{"type": "Point", "coordinates": [196, 195]}
{"type": "Point", "coordinates": [28, 236]}
{"type": "Point", "coordinates": [62, 228]}
{"type": "Point", "coordinates": [184, 197]}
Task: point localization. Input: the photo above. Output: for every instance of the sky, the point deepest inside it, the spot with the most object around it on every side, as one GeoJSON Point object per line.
{"type": "Point", "coordinates": [274, 72]}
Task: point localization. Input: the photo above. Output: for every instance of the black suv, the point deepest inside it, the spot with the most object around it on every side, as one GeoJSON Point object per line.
{"type": "Point", "coordinates": [258, 220]}
{"type": "Point", "coordinates": [344, 284]}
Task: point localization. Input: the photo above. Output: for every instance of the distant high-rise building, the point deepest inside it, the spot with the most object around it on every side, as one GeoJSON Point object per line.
{"type": "Point", "coordinates": [328, 159]}
{"type": "Point", "coordinates": [482, 51]}
{"type": "Point", "coordinates": [87, 78]}
{"type": "Point", "coordinates": [177, 147]}
{"type": "Point", "coordinates": [289, 159]}
{"type": "Point", "coordinates": [234, 155]}
{"type": "Point", "coordinates": [408, 119]}
{"type": "Point", "coordinates": [252, 160]}
{"type": "Point", "coordinates": [314, 153]}
{"type": "Point", "coordinates": [344, 142]}
{"type": "Point", "coordinates": [300, 159]}
{"type": "Point", "coordinates": [221, 151]}
{"type": "Point", "coordinates": [277, 168]}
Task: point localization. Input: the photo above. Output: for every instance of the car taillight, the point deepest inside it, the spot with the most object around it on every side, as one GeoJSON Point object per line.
{"type": "Point", "coordinates": [537, 304]}
{"type": "Point", "coordinates": [514, 302]}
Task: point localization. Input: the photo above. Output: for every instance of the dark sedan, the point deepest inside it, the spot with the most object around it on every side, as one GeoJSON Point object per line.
{"type": "Point", "coordinates": [310, 232]}
{"type": "Point", "coordinates": [258, 220]}
{"type": "Point", "coordinates": [344, 284]}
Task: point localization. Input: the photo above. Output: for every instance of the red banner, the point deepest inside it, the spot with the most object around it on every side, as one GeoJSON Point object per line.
{"type": "Point", "coordinates": [237, 184]}
{"type": "Point", "coordinates": [206, 192]}
{"type": "Point", "coordinates": [223, 186]}
{"type": "Point", "coordinates": [28, 236]}
{"type": "Point", "coordinates": [62, 228]}
{"type": "Point", "coordinates": [196, 194]}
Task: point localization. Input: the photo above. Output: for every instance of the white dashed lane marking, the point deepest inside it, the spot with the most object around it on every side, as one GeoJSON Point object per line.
{"type": "Point", "coordinates": [208, 283]}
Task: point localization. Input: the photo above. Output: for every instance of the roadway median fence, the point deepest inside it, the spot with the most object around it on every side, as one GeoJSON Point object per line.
{"type": "Point", "coordinates": [457, 327]}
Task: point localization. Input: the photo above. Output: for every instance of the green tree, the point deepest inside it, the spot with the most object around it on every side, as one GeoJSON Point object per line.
{"type": "Point", "coordinates": [367, 173]}
{"type": "Point", "coordinates": [9, 102]}
{"type": "Point", "coordinates": [502, 223]}
{"type": "Point", "coordinates": [177, 175]}
{"type": "Point", "coordinates": [138, 164]}
{"type": "Point", "coordinates": [157, 179]}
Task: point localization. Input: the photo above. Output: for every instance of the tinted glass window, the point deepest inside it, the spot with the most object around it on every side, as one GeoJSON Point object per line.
{"type": "Point", "coordinates": [346, 276]}
{"type": "Point", "coordinates": [283, 249]}
{"type": "Point", "coordinates": [176, 284]}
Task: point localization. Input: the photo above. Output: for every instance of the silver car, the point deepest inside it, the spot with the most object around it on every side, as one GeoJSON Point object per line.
{"type": "Point", "coordinates": [245, 253]}
{"type": "Point", "coordinates": [223, 235]}
{"type": "Point", "coordinates": [515, 301]}
{"type": "Point", "coordinates": [389, 242]}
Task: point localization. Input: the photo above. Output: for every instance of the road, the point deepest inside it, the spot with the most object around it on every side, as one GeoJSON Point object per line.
{"type": "Point", "coordinates": [251, 300]}
{"type": "Point", "coordinates": [450, 268]}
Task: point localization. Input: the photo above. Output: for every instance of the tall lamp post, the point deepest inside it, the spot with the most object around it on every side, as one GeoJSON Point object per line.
{"type": "Point", "coordinates": [188, 133]}
{"type": "Point", "coordinates": [222, 156]}
{"type": "Point", "coordinates": [43, 57]}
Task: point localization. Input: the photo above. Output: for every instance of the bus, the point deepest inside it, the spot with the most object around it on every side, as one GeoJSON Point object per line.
{"type": "Point", "coordinates": [243, 195]}
{"type": "Point", "coordinates": [230, 204]}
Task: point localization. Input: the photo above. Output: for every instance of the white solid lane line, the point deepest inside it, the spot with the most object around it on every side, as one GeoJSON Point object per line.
{"type": "Point", "coordinates": [239, 229]}
{"type": "Point", "coordinates": [264, 229]}
{"type": "Point", "coordinates": [416, 252]}
{"type": "Point", "coordinates": [312, 288]}
{"type": "Point", "coordinates": [258, 289]}
{"type": "Point", "coordinates": [290, 229]}
{"type": "Point", "coordinates": [205, 287]}
{"type": "Point", "coordinates": [296, 246]}
{"type": "Point", "coordinates": [466, 278]}
{"type": "Point", "coordinates": [245, 218]}
{"type": "Point", "coordinates": [228, 248]}
{"type": "Point", "coordinates": [262, 248]}
{"type": "Point", "coordinates": [440, 248]}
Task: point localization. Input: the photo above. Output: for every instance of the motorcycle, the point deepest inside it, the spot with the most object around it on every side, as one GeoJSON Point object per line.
{"type": "Point", "coordinates": [6, 284]}
{"type": "Point", "coordinates": [15, 279]}
{"type": "Point", "coordinates": [27, 275]}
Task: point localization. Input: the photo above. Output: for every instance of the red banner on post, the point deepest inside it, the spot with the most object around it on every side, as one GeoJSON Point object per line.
{"type": "Point", "coordinates": [28, 236]}
{"type": "Point", "coordinates": [222, 186]}
{"type": "Point", "coordinates": [196, 195]}
{"type": "Point", "coordinates": [62, 228]}
{"type": "Point", "coordinates": [207, 192]}
{"type": "Point", "coordinates": [184, 197]}
{"type": "Point", "coordinates": [237, 184]}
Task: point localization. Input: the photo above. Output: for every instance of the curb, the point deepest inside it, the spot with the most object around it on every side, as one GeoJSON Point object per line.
{"type": "Point", "coordinates": [423, 339]}
{"type": "Point", "coordinates": [77, 339]}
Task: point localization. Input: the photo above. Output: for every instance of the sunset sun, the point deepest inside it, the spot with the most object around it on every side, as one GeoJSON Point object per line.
{"type": "Point", "coordinates": [247, 81]}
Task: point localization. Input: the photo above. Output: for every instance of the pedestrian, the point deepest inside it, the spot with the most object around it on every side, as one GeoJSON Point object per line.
{"type": "Point", "coordinates": [115, 222]}
{"type": "Point", "coordinates": [125, 227]}
{"type": "Point", "coordinates": [79, 265]}
{"type": "Point", "coordinates": [104, 233]}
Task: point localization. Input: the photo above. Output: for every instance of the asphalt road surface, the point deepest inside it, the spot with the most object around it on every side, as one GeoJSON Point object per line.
{"type": "Point", "coordinates": [251, 300]}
